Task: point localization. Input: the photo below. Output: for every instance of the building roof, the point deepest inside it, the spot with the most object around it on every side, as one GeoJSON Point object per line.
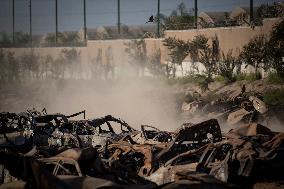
{"type": "Point", "coordinates": [217, 17]}
{"type": "Point", "coordinates": [242, 10]}
{"type": "Point", "coordinates": [213, 18]}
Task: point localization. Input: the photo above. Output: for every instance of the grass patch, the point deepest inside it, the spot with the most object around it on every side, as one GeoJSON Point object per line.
{"type": "Point", "coordinates": [274, 97]}
{"type": "Point", "coordinates": [220, 78]}
{"type": "Point", "coordinates": [195, 79]}
{"type": "Point", "coordinates": [275, 78]}
{"type": "Point", "coordinates": [248, 76]}
{"type": "Point", "coordinates": [199, 80]}
{"type": "Point", "coordinates": [224, 80]}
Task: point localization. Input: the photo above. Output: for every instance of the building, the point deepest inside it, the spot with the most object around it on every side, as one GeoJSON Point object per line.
{"type": "Point", "coordinates": [241, 15]}
{"type": "Point", "coordinates": [213, 19]}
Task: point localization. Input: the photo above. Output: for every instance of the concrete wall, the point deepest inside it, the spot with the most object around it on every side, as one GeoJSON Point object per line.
{"type": "Point", "coordinates": [229, 38]}
{"type": "Point", "coordinates": [91, 50]}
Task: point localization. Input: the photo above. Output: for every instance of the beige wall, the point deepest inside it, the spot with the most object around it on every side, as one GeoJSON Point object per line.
{"type": "Point", "coordinates": [229, 38]}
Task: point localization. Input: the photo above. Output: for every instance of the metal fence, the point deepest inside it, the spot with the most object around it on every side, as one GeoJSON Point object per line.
{"type": "Point", "coordinates": [72, 22]}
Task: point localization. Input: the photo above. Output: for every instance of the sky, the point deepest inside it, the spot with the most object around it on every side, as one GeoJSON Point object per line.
{"type": "Point", "coordinates": [99, 12]}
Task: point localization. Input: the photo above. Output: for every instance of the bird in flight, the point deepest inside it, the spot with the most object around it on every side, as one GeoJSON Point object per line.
{"type": "Point", "coordinates": [151, 19]}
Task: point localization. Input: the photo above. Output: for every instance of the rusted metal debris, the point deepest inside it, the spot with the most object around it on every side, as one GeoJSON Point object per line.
{"type": "Point", "coordinates": [40, 150]}
{"type": "Point", "coordinates": [239, 107]}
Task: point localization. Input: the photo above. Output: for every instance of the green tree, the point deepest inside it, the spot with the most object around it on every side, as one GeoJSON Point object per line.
{"type": "Point", "coordinates": [63, 39]}
{"type": "Point", "coordinates": [57, 67]}
{"type": "Point", "coordinates": [206, 54]}
{"type": "Point", "coordinates": [71, 39]}
{"type": "Point", "coordinates": [5, 40]}
{"type": "Point", "coordinates": [30, 65]}
{"type": "Point", "coordinates": [227, 64]}
{"type": "Point", "coordinates": [255, 52]}
{"type": "Point", "coordinates": [275, 48]}
{"type": "Point", "coordinates": [178, 51]}
{"type": "Point", "coordinates": [270, 11]}
{"type": "Point", "coordinates": [96, 65]}
{"type": "Point", "coordinates": [46, 65]}
{"type": "Point", "coordinates": [49, 39]}
{"type": "Point", "coordinates": [3, 66]}
{"type": "Point", "coordinates": [155, 65]}
{"type": "Point", "coordinates": [71, 59]}
{"type": "Point", "coordinates": [179, 19]}
{"type": "Point", "coordinates": [109, 64]}
{"type": "Point", "coordinates": [22, 39]}
{"type": "Point", "coordinates": [136, 50]}
{"type": "Point", "coordinates": [13, 67]}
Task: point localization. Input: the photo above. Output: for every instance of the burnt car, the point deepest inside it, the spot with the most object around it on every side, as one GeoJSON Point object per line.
{"type": "Point", "coordinates": [100, 131]}
{"type": "Point", "coordinates": [151, 135]}
{"type": "Point", "coordinates": [191, 136]}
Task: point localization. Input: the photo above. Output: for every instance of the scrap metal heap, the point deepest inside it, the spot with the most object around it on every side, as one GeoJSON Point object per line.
{"type": "Point", "coordinates": [40, 150]}
{"type": "Point", "coordinates": [232, 108]}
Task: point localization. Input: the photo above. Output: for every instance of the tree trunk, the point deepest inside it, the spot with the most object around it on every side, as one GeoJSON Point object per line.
{"type": "Point", "coordinates": [174, 71]}
{"type": "Point", "coordinates": [181, 70]}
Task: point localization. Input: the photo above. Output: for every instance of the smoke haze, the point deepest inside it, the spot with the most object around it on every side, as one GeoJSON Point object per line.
{"type": "Point", "coordinates": [135, 100]}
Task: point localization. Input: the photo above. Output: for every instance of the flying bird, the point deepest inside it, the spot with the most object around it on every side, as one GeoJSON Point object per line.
{"type": "Point", "coordinates": [151, 19]}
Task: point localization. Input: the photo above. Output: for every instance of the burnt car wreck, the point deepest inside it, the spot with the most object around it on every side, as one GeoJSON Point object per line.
{"type": "Point", "coordinates": [40, 150]}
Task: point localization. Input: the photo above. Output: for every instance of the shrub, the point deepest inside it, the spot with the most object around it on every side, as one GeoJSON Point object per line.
{"type": "Point", "coordinates": [275, 78]}
{"type": "Point", "coordinates": [195, 79]}
{"type": "Point", "coordinates": [274, 97]}
{"type": "Point", "coordinates": [249, 76]}
{"type": "Point", "coordinates": [222, 79]}
{"type": "Point", "coordinates": [182, 80]}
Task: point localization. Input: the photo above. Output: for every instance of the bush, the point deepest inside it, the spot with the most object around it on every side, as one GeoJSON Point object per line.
{"type": "Point", "coordinates": [275, 78]}
{"type": "Point", "coordinates": [219, 78]}
{"type": "Point", "coordinates": [195, 79]}
{"type": "Point", "coordinates": [249, 76]}
{"type": "Point", "coordinates": [274, 97]}
{"type": "Point", "coordinates": [222, 79]}
{"type": "Point", "coordinates": [185, 79]}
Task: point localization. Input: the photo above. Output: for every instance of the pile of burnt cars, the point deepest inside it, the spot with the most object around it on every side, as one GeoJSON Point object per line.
{"type": "Point", "coordinates": [233, 108]}
{"type": "Point", "coordinates": [40, 150]}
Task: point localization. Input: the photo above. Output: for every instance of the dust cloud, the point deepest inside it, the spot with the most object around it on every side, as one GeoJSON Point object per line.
{"type": "Point", "coordinates": [136, 100]}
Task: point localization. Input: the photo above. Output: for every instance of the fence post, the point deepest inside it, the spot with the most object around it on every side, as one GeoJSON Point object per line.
{"type": "Point", "coordinates": [158, 21]}
{"type": "Point", "coordinates": [31, 34]}
{"type": "Point", "coordinates": [56, 22]}
{"type": "Point", "coordinates": [118, 17]}
{"type": "Point", "coordinates": [85, 24]}
{"type": "Point", "coordinates": [195, 14]}
{"type": "Point", "coordinates": [13, 22]}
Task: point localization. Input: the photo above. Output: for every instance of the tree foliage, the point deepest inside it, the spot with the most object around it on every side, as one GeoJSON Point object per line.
{"type": "Point", "coordinates": [227, 64]}
{"type": "Point", "coordinates": [178, 51]}
{"type": "Point", "coordinates": [266, 52]}
{"type": "Point", "coordinates": [179, 19]}
{"type": "Point", "coordinates": [275, 48]}
{"type": "Point", "coordinates": [155, 65]}
{"type": "Point", "coordinates": [179, 22]}
{"type": "Point", "coordinates": [30, 66]}
{"type": "Point", "coordinates": [63, 39]}
{"type": "Point", "coordinates": [206, 54]}
{"type": "Point", "coordinates": [109, 64]}
{"type": "Point", "coordinates": [270, 11]}
{"type": "Point", "coordinates": [136, 50]}
{"type": "Point", "coordinates": [254, 53]}
{"type": "Point", "coordinates": [21, 39]}
{"type": "Point", "coordinates": [96, 65]}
